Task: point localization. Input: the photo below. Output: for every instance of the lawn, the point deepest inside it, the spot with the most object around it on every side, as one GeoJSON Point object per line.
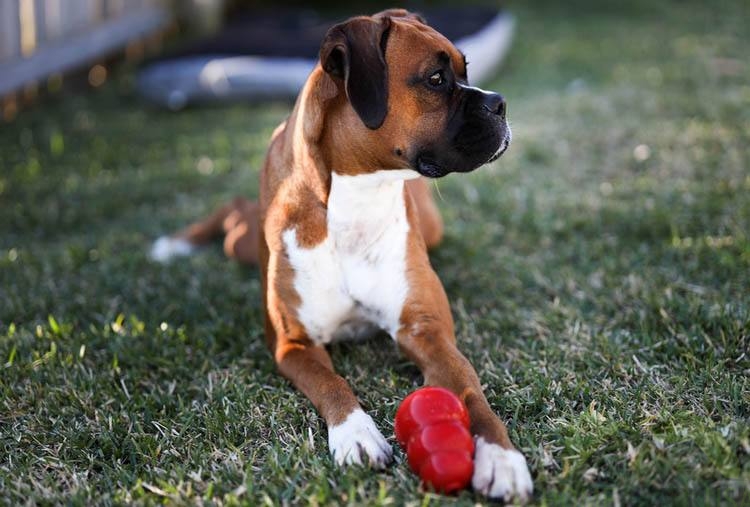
{"type": "Point", "coordinates": [599, 275]}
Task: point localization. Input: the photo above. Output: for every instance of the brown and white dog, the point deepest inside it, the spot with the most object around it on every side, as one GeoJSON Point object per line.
{"type": "Point", "coordinates": [344, 221]}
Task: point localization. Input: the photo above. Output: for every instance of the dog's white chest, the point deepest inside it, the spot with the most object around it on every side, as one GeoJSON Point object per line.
{"type": "Point", "coordinates": [354, 282]}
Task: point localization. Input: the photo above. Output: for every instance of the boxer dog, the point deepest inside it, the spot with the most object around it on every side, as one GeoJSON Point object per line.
{"type": "Point", "coordinates": [345, 218]}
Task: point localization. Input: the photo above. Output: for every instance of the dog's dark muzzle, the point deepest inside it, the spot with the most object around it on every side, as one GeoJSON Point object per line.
{"type": "Point", "coordinates": [477, 133]}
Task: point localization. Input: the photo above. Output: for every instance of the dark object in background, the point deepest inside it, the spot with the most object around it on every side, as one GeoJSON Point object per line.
{"type": "Point", "coordinates": [268, 53]}
{"type": "Point", "coordinates": [296, 33]}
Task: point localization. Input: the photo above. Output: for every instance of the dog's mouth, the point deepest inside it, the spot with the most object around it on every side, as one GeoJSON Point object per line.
{"type": "Point", "coordinates": [429, 168]}
{"type": "Point", "coordinates": [503, 148]}
{"type": "Point", "coordinates": [426, 163]}
{"type": "Point", "coordinates": [432, 169]}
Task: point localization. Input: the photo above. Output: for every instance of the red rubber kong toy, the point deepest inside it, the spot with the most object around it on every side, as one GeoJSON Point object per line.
{"type": "Point", "coordinates": [432, 425]}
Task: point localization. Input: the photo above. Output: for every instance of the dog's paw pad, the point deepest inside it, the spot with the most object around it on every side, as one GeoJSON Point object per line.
{"type": "Point", "coordinates": [358, 441]}
{"type": "Point", "coordinates": [501, 473]}
{"type": "Point", "coordinates": [166, 248]}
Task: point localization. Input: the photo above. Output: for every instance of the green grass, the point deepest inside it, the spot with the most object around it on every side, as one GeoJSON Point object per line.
{"type": "Point", "coordinates": [603, 295]}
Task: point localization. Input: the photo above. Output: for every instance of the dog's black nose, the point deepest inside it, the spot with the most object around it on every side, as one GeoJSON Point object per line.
{"type": "Point", "coordinates": [495, 104]}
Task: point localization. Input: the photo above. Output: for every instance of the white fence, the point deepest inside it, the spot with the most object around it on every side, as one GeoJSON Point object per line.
{"type": "Point", "coordinates": [42, 37]}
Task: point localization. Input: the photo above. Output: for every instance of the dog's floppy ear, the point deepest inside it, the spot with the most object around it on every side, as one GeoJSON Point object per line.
{"type": "Point", "coordinates": [355, 52]}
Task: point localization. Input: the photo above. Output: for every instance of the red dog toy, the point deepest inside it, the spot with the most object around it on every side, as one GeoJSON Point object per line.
{"type": "Point", "coordinates": [432, 425]}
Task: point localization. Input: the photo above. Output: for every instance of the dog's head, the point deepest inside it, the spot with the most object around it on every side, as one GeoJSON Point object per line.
{"type": "Point", "coordinates": [407, 85]}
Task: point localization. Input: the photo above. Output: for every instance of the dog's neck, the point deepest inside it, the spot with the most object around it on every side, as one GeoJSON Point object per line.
{"type": "Point", "coordinates": [362, 207]}
{"type": "Point", "coordinates": [316, 122]}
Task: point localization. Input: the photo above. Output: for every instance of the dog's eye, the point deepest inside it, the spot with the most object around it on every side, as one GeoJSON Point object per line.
{"type": "Point", "coordinates": [436, 79]}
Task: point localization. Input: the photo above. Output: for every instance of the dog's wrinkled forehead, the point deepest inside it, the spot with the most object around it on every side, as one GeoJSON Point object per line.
{"type": "Point", "coordinates": [400, 13]}
{"type": "Point", "coordinates": [415, 46]}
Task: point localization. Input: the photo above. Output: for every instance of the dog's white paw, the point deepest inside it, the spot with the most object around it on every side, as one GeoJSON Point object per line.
{"type": "Point", "coordinates": [166, 248]}
{"type": "Point", "coordinates": [501, 473]}
{"type": "Point", "coordinates": [358, 441]}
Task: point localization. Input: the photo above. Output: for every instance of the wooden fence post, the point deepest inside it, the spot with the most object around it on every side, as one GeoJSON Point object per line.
{"type": "Point", "coordinates": [68, 34]}
{"type": "Point", "coordinates": [10, 29]}
{"type": "Point", "coordinates": [40, 15]}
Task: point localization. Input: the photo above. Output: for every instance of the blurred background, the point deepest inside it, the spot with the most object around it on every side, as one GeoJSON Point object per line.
{"type": "Point", "coordinates": [42, 41]}
{"type": "Point", "coordinates": [599, 272]}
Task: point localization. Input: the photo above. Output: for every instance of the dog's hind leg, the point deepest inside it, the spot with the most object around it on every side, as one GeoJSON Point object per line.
{"type": "Point", "coordinates": [241, 228]}
{"type": "Point", "coordinates": [237, 221]}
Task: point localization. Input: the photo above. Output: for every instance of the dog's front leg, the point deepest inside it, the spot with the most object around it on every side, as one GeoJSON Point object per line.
{"type": "Point", "coordinates": [353, 437]}
{"type": "Point", "coordinates": [426, 336]}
